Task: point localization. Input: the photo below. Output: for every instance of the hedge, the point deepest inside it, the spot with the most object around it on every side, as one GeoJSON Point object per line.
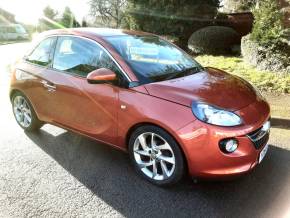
{"type": "Point", "coordinates": [213, 40]}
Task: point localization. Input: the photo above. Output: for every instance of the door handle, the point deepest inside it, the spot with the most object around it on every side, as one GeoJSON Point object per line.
{"type": "Point", "coordinates": [48, 86]}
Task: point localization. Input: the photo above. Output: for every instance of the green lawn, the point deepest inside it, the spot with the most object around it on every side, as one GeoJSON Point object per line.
{"type": "Point", "coordinates": [264, 80]}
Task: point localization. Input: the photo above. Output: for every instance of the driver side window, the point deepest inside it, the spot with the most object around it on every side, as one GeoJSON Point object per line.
{"type": "Point", "coordinates": [80, 57]}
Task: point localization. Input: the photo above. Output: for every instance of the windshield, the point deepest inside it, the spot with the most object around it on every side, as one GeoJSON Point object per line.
{"type": "Point", "coordinates": [153, 59]}
{"type": "Point", "coordinates": [20, 29]}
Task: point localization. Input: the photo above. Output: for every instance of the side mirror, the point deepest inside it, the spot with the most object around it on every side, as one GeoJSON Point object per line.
{"type": "Point", "coordinates": [101, 75]}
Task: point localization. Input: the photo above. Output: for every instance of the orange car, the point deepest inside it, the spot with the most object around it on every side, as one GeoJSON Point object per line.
{"type": "Point", "coordinates": [139, 93]}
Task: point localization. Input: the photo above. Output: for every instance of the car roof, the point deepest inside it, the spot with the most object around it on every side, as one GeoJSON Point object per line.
{"type": "Point", "coordinates": [95, 32]}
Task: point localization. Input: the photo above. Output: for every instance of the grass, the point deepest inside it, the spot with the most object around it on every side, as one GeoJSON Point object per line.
{"type": "Point", "coordinates": [266, 81]}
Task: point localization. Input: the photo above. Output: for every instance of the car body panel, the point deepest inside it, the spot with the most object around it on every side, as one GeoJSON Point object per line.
{"type": "Point", "coordinates": [73, 96]}
{"type": "Point", "coordinates": [143, 108]}
{"type": "Point", "coordinates": [211, 86]}
{"type": "Point", "coordinates": [200, 144]}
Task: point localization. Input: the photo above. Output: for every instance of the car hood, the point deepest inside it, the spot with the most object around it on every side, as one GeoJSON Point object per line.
{"type": "Point", "coordinates": [211, 86]}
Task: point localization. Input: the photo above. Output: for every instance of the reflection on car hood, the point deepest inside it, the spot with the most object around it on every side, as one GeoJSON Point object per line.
{"type": "Point", "coordinates": [212, 86]}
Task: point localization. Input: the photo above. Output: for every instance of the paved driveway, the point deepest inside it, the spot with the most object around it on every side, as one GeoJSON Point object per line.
{"type": "Point", "coordinates": [57, 173]}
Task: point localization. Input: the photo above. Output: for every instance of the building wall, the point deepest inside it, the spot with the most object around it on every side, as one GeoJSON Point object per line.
{"type": "Point", "coordinates": [232, 6]}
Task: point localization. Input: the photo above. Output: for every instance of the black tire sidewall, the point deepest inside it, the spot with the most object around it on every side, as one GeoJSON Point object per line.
{"type": "Point", "coordinates": [179, 164]}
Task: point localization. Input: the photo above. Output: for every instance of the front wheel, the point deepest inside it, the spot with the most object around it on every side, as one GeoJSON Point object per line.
{"type": "Point", "coordinates": [24, 113]}
{"type": "Point", "coordinates": [156, 155]}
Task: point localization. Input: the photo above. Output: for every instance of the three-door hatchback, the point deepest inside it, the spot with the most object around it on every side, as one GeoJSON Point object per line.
{"type": "Point", "coordinates": [139, 93]}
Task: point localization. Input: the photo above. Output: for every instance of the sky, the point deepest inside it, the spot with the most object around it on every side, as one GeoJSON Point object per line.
{"type": "Point", "coordinates": [29, 11]}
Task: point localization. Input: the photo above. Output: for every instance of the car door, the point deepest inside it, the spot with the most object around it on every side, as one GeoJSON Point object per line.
{"type": "Point", "coordinates": [87, 108]}
{"type": "Point", "coordinates": [32, 71]}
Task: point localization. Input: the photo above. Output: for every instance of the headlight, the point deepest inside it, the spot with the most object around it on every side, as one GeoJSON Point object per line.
{"type": "Point", "coordinates": [216, 116]}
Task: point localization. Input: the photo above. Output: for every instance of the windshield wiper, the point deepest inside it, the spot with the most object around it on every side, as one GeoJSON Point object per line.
{"type": "Point", "coordinates": [186, 72]}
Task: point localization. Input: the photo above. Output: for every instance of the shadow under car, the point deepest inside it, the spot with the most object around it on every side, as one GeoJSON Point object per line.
{"type": "Point", "coordinates": [109, 175]}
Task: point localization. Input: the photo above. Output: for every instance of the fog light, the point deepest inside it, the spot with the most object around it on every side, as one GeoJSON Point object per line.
{"type": "Point", "coordinates": [228, 145]}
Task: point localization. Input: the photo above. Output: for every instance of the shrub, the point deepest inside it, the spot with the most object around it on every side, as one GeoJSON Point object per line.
{"type": "Point", "coordinates": [266, 47]}
{"type": "Point", "coordinates": [273, 57]}
{"type": "Point", "coordinates": [213, 40]}
{"type": "Point", "coordinates": [268, 27]}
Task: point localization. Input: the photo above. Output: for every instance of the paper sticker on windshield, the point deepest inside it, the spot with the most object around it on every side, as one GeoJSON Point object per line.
{"type": "Point", "coordinates": [152, 60]}
{"type": "Point", "coordinates": [143, 51]}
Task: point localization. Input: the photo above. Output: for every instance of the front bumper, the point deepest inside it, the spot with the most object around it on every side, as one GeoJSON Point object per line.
{"type": "Point", "coordinates": [200, 144]}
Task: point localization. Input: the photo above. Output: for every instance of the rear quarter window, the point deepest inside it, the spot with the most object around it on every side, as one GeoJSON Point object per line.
{"type": "Point", "coordinates": [41, 55]}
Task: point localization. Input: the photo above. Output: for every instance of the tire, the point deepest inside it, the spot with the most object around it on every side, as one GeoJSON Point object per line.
{"type": "Point", "coordinates": [22, 110]}
{"type": "Point", "coordinates": [165, 154]}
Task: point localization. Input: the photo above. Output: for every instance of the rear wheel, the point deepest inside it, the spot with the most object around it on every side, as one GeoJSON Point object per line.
{"type": "Point", "coordinates": [24, 113]}
{"type": "Point", "coordinates": [156, 155]}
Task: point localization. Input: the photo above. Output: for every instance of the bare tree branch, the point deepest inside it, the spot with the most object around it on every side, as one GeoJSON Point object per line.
{"type": "Point", "coordinates": [109, 10]}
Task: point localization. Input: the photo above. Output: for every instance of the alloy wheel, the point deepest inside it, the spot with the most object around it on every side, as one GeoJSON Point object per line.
{"type": "Point", "coordinates": [22, 111]}
{"type": "Point", "coordinates": [154, 156]}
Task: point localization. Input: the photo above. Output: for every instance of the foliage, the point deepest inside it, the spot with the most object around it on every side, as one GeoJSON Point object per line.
{"type": "Point", "coordinates": [177, 7]}
{"type": "Point", "coordinates": [246, 5]}
{"type": "Point", "coordinates": [273, 57]}
{"type": "Point", "coordinates": [110, 11]}
{"type": "Point", "coordinates": [68, 19]}
{"type": "Point", "coordinates": [268, 28]}
{"type": "Point", "coordinates": [265, 47]}
{"type": "Point", "coordinates": [49, 19]}
{"type": "Point", "coordinates": [84, 23]}
{"type": "Point", "coordinates": [49, 12]}
{"type": "Point", "coordinates": [264, 80]}
{"type": "Point", "coordinates": [52, 20]}
{"type": "Point", "coordinates": [167, 17]}
{"type": "Point", "coordinates": [238, 6]}
{"type": "Point", "coordinates": [213, 40]}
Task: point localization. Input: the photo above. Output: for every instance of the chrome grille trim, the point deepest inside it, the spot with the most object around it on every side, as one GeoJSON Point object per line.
{"type": "Point", "coordinates": [260, 136]}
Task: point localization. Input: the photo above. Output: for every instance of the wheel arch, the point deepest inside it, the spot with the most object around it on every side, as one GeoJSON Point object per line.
{"type": "Point", "coordinates": [14, 91]}
{"type": "Point", "coordinates": [137, 125]}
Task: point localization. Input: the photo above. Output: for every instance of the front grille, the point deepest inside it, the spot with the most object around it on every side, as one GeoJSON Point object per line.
{"type": "Point", "coordinates": [259, 137]}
